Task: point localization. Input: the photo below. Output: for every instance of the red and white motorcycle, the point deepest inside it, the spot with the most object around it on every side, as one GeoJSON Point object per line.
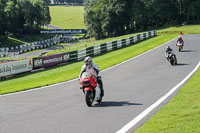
{"type": "Point", "coordinates": [179, 46]}
{"type": "Point", "coordinates": [90, 88]}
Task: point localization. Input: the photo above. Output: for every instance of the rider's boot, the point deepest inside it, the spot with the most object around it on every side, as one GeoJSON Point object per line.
{"type": "Point", "coordinates": [102, 92]}
{"type": "Point", "coordinates": [101, 87]}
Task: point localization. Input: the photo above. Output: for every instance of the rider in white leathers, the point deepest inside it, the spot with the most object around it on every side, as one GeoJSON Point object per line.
{"type": "Point", "coordinates": [94, 70]}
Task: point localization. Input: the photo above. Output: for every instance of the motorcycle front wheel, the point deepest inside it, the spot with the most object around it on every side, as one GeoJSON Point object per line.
{"type": "Point", "coordinates": [172, 62]}
{"type": "Point", "coordinates": [89, 98]}
{"type": "Point", "coordinates": [179, 49]}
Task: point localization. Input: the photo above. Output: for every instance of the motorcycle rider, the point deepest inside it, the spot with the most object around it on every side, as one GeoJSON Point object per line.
{"type": "Point", "coordinates": [93, 69]}
{"type": "Point", "coordinates": [168, 51]}
{"type": "Point", "coordinates": [180, 40]}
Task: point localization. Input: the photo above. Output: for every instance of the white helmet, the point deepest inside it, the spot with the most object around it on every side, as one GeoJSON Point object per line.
{"type": "Point", "coordinates": [88, 61]}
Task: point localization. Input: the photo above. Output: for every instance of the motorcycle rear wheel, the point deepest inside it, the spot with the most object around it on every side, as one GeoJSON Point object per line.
{"type": "Point", "coordinates": [89, 98]}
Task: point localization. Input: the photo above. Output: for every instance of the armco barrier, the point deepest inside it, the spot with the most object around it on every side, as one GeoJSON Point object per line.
{"type": "Point", "coordinates": [4, 52]}
{"type": "Point", "coordinates": [110, 46]}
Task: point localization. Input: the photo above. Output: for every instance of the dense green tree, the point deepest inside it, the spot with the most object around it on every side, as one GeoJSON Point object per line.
{"type": "Point", "coordinates": [11, 16]}
{"type": "Point", "coordinates": [138, 15]}
{"type": "Point", "coordinates": [3, 19]}
{"type": "Point", "coordinates": [116, 17]}
{"type": "Point", "coordinates": [93, 19]}
{"type": "Point", "coordinates": [41, 13]}
{"type": "Point", "coordinates": [106, 18]}
{"type": "Point", "coordinates": [189, 10]}
{"type": "Point", "coordinates": [165, 12]}
{"type": "Point", "coordinates": [19, 16]}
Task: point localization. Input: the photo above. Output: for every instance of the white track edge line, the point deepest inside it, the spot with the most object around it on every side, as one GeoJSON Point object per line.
{"type": "Point", "coordinates": [154, 105]}
{"type": "Point", "coordinates": [34, 89]}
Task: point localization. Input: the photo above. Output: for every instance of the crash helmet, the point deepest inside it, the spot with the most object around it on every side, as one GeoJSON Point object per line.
{"type": "Point", "coordinates": [168, 47]}
{"type": "Point", "coordinates": [88, 61]}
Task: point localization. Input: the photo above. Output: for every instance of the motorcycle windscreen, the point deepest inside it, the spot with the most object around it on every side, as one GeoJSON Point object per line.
{"type": "Point", "coordinates": [179, 44]}
{"type": "Point", "coordinates": [86, 75]}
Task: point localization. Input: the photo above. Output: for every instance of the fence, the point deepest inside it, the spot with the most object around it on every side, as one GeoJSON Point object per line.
{"type": "Point", "coordinates": [110, 46]}
{"type": "Point", "coordinates": [5, 52]}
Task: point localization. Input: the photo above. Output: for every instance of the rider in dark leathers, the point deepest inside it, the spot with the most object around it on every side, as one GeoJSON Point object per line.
{"type": "Point", "coordinates": [168, 51]}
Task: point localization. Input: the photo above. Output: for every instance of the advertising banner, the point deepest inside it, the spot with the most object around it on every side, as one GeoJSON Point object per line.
{"type": "Point", "coordinates": [52, 60]}
{"type": "Point", "coordinates": [15, 67]}
{"type": "Point", "coordinates": [66, 57]}
{"type": "Point", "coordinates": [37, 63]}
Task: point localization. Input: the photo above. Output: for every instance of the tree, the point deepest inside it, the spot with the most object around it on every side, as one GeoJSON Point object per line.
{"type": "Point", "coordinates": [138, 16]}
{"type": "Point", "coordinates": [92, 18]}
{"type": "Point", "coordinates": [41, 13]}
{"type": "Point", "coordinates": [105, 18]}
{"type": "Point", "coordinates": [12, 16]}
{"type": "Point", "coordinates": [19, 16]}
{"type": "Point", "coordinates": [3, 25]}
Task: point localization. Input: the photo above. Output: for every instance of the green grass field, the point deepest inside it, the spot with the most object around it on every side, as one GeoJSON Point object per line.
{"type": "Point", "coordinates": [67, 17]}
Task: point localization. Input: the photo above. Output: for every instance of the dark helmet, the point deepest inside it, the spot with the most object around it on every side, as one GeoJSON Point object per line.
{"type": "Point", "coordinates": [168, 47]}
{"type": "Point", "coordinates": [88, 61]}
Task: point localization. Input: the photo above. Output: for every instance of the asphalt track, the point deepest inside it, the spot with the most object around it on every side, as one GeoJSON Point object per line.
{"type": "Point", "coordinates": [130, 88]}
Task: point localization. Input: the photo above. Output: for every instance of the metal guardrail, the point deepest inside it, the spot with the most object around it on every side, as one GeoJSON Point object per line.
{"type": "Point", "coordinates": [5, 52]}
{"type": "Point", "coordinates": [110, 46]}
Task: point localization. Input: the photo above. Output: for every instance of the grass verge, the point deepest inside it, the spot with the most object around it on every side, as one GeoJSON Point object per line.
{"type": "Point", "coordinates": [181, 114]}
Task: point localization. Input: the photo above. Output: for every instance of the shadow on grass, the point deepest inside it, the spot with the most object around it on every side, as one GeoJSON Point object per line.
{"type": "Point", "coordinates": [115, 104]}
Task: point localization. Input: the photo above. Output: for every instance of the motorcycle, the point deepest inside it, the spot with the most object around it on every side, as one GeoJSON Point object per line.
{"type": "Point", "coordinates": [172, 59]}
{"type": "Point", "coordinates": [91, 89]}
{"type": "Point", "coordinates": [179, 46]}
